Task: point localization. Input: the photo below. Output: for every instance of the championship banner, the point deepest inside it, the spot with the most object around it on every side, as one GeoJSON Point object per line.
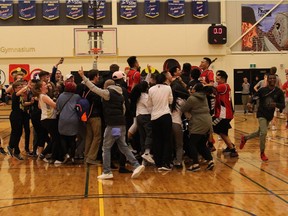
{"type": "Point", "coordinates": [15, 69]}
{"type": "Point", "coordinates": [152, 8]}
{"type": "Point", "coordinates": [6, 9]}
{"type": "Point", "coordinates": [200, 8]}
{"type": "Point", "coordinates": [74, 9]}
{"type": "Point", "coordinates": [128, 9]}
{"type": "Point", "coordinates": [176, 8]}
{"type": "Point", "coordinates": [27, 9]}
{"type": "Point", "coordinates": [50, 9]}
{"type": "Point", "coordinates": [100, 9]}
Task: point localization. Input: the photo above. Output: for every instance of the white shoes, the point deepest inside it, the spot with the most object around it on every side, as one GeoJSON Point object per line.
{"type": "Point", "coordinates": [106, 176]}
{"type": "Point", "coordinates": [148, 158]}
{"type": "Point", "coordinates": [138, 171]}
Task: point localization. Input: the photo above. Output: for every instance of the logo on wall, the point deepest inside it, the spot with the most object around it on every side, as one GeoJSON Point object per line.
{"type": "Point", "coordinates": [34, 74]}
{"type": "Point", "coordinates": [2, 77]}
{"type": "Point", "coordinates": [15, 69]}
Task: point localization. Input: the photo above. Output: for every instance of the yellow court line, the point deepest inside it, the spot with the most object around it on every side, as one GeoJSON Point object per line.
{"type": "Point", "coordinates": [100, 192]}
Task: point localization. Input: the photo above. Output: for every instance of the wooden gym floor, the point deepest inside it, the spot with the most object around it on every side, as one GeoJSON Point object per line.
{"type": "Point", "coordinates": [236, 186]}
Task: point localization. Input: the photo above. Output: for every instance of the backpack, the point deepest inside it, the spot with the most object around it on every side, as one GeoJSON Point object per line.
{"type": "Point", "coordinates": [83, 107]}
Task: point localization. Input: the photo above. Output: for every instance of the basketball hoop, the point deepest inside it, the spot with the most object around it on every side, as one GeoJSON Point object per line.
{"type": "Point", "coordinates": [96, 51]}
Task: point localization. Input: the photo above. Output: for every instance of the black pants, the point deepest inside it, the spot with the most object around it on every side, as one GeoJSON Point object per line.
{"type": "Point", "coordinates": [26, 124]}
{"type": "Point", "coordinates": [198, 144]}
{"type": "Point", "coordinates": [162, 140]}
{"type": "Point", "coordinates": [16, 122]}
{"type": "Point", "coordinates": [51, 126]}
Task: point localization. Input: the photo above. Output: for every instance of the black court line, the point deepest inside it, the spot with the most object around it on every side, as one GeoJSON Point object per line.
{"type": "Point", "coordinates": [263, 170]}
{"type": "Point", "coordinates": [255, 182]}
{"type": "Point", "coordinates": [87, 181]}
{"type": "Point", "coordinates": [134, 197]}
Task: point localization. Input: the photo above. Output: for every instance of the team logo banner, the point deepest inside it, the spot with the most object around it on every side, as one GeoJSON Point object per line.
{"type": "Point", "coordinates": [50, 9]}
{"type": "Point", "coordinates": [152, 8]}
{"type": "Point", "coordinates": [27, 9]}
{"type": "Point", "coordinates": [128, 9]}
{"type": "Point", "coordinates": [100, 9]}
{"type": "Point", "coordinates": [200, 8]}
{"type": "Point", "coordinates": [176, 8]}
{"type": "Point", "coordinates": [6, 9]}
{"type": "Point", "coordinates": [74, 9]}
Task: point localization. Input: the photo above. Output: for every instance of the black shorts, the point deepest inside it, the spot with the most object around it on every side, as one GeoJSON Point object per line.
{"type": "Point", "coordinates": [221, 126]}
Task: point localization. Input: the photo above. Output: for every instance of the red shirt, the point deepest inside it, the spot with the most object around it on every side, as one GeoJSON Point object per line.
{"type": "Point", "coordinates": [223, 104]}
{"type": "Point", "coordinates": [133, 78]}
{"type": "Point", "coordinates": [284, 87]}
{"type": "Point", "coordinates": [208, 75]}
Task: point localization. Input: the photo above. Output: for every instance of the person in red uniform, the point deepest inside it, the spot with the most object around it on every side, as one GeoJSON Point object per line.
{"type": "Point", "coordinates": [133, 76]}
{"type": "Point", "coordinates": [207, 75]}
{"type": "Point", "coordinates": [223, 112]}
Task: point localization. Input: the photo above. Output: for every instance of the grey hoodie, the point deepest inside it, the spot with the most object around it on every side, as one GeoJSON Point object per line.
{"type": "Point", "coordinates": [200, 121]}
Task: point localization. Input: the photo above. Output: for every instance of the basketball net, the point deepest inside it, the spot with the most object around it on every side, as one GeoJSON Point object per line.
{"type": "Point", "coordinates": [95, 52]}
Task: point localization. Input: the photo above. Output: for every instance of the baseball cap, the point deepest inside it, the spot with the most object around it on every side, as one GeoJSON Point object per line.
{"type": "Point", "coordinates": [118, 75]}
{"type": "Point", "coordinates": [68, 76]}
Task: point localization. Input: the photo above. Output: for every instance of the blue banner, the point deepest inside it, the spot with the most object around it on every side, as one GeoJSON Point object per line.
{"type": "Point", "coordinates": [74, 9]}
{"type": "Point", "coordinates": [152, 8]}
{"type": "Point", "coordinates": [128, 9]}
{"type": "Point", "coordinates": [200, 8]}
{"type": "Point", "coordinates": [176, 8]}
{"type": "Point", "coordinates": [27, 9]}
{"type": "Point", "coordinates": [100, 9]}
{"type": "Point", "coordinates": [6, 9]}
{"type": "Point", "coordinates": [50, 9]}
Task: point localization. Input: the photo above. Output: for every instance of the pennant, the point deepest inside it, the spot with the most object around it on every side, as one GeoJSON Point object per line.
{"type": "Point", "coordinates": [74, 9]}
{"type": "Point", "coordinates": [50, 9]}
{"type": "Point", "coordinates": [27, 9]}
{"type": "Point", "coordinates": [101, 9]}
{"type": "Point", "coordinates": [152, 8]}
{"type": "Point", "coordinates": [128, 9]}
{"type": "Point", "coordinates": [176, 8]}
{"type": "Point", "coordinates": [200, 8]}
{"type": "Point", "coordinates": [6, 9]}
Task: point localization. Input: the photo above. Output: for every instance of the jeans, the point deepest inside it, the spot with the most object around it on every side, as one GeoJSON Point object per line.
{"type": "Point", "coordinates": [108, 142]}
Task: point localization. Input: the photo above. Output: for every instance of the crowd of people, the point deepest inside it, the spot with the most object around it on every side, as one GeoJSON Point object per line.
{"type": "Point", "coordinates": [154, 118]}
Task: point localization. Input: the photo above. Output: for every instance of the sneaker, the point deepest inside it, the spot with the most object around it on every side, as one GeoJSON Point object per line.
{"type": "Point", "coordinates": [10, 151]}
{"type": "Point", "coordinates": [58, 162]}
{"type": "Point", "coordinates": [211, 148]}
{"type": "Point", "coordinates": [138, 171]}
{"type": "Point", "coordinates": [41, 157]}
{"type": "Point", "coordinates": [45, 160]}
{"type": "Point", "coordinates": [106, 176]}
{"type": "Point", "coordinates": [263, 157]}
{"type": "Point", "coordinates": [2, 151]}
{"type": "Point", "coordinates": [242, 142]}
{"type": "Point", "coordinates": [194, 168]}
{"type": "Point", "coordinates": [66, 158]}
{"type": "Point", "coordinates": [165, 168]}
{"type": "Point", "coordinates": [18, 157]}
{"type": "Point", "coordinates": [148, 158]}
{"type": "Point", "coordinates": [233, 153]}
{"type": "Point", "coordinates": [227, 150]}
{"type": "Point", "coordinates": [210, 165]}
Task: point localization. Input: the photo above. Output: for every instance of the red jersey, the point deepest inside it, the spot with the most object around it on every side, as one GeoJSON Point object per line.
{"type": "Point", "coordinates": [284, 87]}
{"type": "Point", "coordinates": [208, 75]}
{"type": "Point", "coordinates": [223, 103]}
{"type": "Point", "coordinates": [133, 78]}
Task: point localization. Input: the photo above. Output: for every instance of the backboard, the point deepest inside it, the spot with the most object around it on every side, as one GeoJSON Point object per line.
{"type": "Point", "coordinates": [95, 41]}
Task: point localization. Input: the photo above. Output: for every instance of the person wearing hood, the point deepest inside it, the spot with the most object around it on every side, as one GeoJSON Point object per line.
{"type": "Point", "coordinates": [115, 131]}
{"type": "Point", "coordinates": [200, 124]}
